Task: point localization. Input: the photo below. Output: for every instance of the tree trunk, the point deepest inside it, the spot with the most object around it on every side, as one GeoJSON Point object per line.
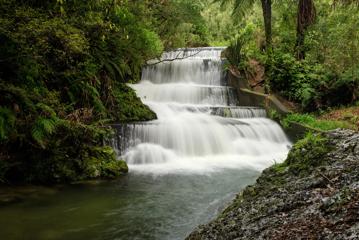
{"type": "Point", "coordinates": [267, 17]}
{"type": "Point", "coordinates": [299, 46]}
{"type": "Point", "coordinates": [306, 16]}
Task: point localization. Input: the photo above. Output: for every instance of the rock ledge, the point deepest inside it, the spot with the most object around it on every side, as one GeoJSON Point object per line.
{"type": "Point", "coordinates": [313, 195]}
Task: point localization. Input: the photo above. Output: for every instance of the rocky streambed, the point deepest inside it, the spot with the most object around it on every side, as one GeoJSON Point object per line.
{"type": "Point", "coordinates": [314, 194]}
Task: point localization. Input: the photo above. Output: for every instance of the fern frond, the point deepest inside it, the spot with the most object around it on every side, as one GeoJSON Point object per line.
{"type": "Point", "coordinates": [120, 73]}
{"type": "Point", "coordinates": [46, 109]}
{"type": "Point", "coordinates": [43, 127]}
{"type": "Point", "coordinates": [94, 95]}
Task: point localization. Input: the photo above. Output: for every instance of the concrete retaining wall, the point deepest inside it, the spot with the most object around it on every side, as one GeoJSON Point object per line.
{"type": "Point", "coordinates": [248, 97]}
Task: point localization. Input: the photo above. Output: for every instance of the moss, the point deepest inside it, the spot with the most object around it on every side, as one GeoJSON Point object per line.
{"type": "Point", "coordinates": [307, 153]}
{"type": "Point", "coordinates": [311, 121]}
{"type": "Point", "coordinates": [234, 205]}
{"type": "Point", "coordinates": [250, 191]}
{"type": "Point", "coordinates": [279, 167]}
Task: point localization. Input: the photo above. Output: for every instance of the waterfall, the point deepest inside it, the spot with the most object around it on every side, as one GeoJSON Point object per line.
{"type": "Point", "coordinates": [200, 127]}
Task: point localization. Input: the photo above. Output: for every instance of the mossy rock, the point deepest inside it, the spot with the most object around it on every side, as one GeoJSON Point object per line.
{"type": "Point", "coordinates": [113, 169]}
{"type": "Point", "coordinates": [103, 164]}
{"type": "Point", "coordinates": [130, 107]}
{"type": "Point", "coordinates": [306, 154]}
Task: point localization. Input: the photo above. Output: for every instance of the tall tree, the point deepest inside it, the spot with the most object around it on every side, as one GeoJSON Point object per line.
{"type": "Point", "coordinates": [267, 17]}
{"type": "Point", "coordinates": [305, 17]}
{"type": "Point", "coordinates": [241, 7]}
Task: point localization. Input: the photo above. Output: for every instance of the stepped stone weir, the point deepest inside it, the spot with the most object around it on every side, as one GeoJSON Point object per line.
{"type": "Point", "coordinates": [200, 127]}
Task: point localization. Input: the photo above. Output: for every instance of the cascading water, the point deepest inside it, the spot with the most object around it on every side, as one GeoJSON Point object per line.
{"type": "Point", "coordinates": [200, 127]}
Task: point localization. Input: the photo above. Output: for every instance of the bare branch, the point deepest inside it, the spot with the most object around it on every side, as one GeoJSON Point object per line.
{"type": "Point", "coordinates": [173, 59]}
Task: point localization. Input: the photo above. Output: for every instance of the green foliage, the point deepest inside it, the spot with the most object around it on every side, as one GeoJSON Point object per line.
{"type": "Point", "coordinates": [179, 23]}
{"type": "Point", "coordinates": [234, 53]}
{"type": "Point", "coordinates": [334, 39]}
{"type": "Point", "coordinates": [221, 26]}
{"type": "Point", "coordinates": [43, 127]}
{"type": "Point", "coordinates": [240, 8]}
{"type": "Point", "coordinates": [293, 79]}
{"type": "Point", "coordinates": [308, 83]}
{"type": "Point", "coordinates": [274, 115]}
{"type": "Point", "coordinates": [313, 122]}
{"type": "Point", "coordinates": [7, 122]}
{"type": "Point", "coordinates": [242, 48]}
{"type": "Point", "coordinates": [329, 74]}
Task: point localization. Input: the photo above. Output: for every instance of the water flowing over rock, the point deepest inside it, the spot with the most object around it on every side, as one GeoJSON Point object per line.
{"type": "Point", "coordinates": [200, 126]}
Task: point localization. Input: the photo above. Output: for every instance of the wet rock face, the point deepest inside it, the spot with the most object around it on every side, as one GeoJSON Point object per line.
{"type": "Point", "coordinates": [319, 203]}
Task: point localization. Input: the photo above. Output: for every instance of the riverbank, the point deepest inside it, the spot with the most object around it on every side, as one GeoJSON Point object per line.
{"type": "Point", "coordinates": [313, 194]}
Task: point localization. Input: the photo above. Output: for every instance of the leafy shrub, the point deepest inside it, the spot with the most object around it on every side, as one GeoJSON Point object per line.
{"type": "Point", "coordinates": [242, 47]}
{"type": "Point", "coordinates": [309, 84]}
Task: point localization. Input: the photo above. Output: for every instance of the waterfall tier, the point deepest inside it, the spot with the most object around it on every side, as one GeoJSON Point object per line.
{"type": "Point", "coordinates": [200, 126]}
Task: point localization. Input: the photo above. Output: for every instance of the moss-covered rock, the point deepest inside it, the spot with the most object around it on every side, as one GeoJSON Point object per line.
{"type": "Point", "coordinates": [306, 154]}
{"type": "Point", "coordinates": [113, 169]}
{"type": "Point", "coordinates": [102, 163]}
{"type": "Point", "coordinates": [130, 107]}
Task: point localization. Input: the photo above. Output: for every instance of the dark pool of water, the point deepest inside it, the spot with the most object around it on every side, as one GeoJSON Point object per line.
{"type": "Point", "coordinates": [133, 207]}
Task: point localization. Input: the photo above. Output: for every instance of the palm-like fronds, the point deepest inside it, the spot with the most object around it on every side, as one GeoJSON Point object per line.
{"type": "Point", "coordinates": [240, 7]}
{"type": "Point", "coordinates": [234, 53]}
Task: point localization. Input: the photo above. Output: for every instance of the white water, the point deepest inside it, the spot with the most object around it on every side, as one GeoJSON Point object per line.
{"type": "Point", "coordinates": [200, 128]}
